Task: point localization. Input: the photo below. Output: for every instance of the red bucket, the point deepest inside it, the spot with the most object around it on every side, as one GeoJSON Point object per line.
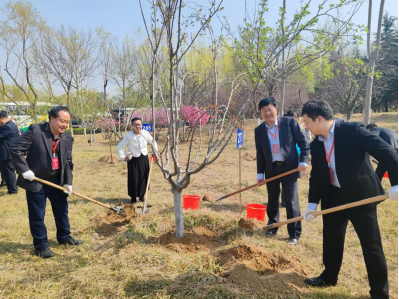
{"type": "Point", "coordinates": [256, 211]}
{"type": "Point", "coordinates": [191, 202]}
{"type": "Point", "coordinates": [386, 175]}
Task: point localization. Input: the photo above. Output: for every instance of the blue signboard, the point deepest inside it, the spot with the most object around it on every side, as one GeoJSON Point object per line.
{"type": "Point", "coordinates": [240, 138]}
{"type": "Point", "coordinates": [147, 127]}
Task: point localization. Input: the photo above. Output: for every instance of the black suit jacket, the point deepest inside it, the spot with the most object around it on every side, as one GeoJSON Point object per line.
{"type": "Point", "coordinates": [8, 132]}
{"type": "Point", "coordinates": [290, 134]}
{"type": "Point", "coordinates": [356, 176]}
{"type": "Point", "coordinates": [389, 136]}
{"type": "Point", "coordinates": [36, 141]}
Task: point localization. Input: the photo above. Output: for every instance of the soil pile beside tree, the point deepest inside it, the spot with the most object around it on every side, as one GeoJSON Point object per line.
{"type": "Point", "coordinates": [260, 271]}
{"type": "Point", "coordinates": [107, 223]}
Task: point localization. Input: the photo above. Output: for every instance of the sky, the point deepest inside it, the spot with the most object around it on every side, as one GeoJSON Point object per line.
{"type": "Point", "coordinates": [123, 17]}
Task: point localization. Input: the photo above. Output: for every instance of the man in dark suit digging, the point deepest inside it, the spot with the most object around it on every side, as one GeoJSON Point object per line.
{"type": "Point", "coordinates": [276, 153]}
{"type": "Point", "coordinates": [49, 157]}
{"type": "Point", "coordinates": [342, 173]}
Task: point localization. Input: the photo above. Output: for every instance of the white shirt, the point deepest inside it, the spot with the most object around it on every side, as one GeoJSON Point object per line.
{"type": "Point", "coordinates": [274, 140]}
{"type": "Point", "coordinates": [327, 147]}
{"type": "Point", "coordinates": [137, 144]}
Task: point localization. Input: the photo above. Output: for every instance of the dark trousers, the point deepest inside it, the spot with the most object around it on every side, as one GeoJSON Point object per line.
{"type": "Point", "coordinates": [8, 174]}
{"type": "Point", "coordinates": [37, 209]}
{"type": "Point", "coordinates": [290, 193]}
{"type": "Point", "coordinates": [366, 226]}
{"type": "Point", "coordinates": [380, 171]}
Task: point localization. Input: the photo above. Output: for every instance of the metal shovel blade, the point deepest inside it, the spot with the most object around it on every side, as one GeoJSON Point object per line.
{"type": "Point", "coordinates": [118, 209]}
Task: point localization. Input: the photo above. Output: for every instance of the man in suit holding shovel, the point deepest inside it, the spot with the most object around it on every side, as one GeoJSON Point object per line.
{"type": "Point", "coordinates": [276, 153]}
{"type": "Point", "coordinates": [342, 173]}
{"type": "Point", "coordinates": [50, 158]}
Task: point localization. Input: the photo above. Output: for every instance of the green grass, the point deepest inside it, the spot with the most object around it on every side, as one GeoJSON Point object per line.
{"type": "Point", "coordinates": [130, 264]}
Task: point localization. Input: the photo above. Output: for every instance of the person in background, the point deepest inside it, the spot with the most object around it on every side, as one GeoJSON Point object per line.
{"type": "Point", "coordinates": [276, 139]}
{"type": "Point", "coordinates": [389, 136]}
{"type": "Point", "coordinates": [8, 133]}
{"type": "Point", "coordinates": [49, 157]}
{"type": "Point", "coordinates": [341, 173]}
{"type": "Point", "coordinates": [137, 159]}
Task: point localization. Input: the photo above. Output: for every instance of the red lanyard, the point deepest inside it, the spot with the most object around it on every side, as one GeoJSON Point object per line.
{"type": "Point", "coordinates": [54, 147]}
{"type": "Point", "coordinates": [275, 133]}
{"type": "Point", "coordinates": [329, 155]}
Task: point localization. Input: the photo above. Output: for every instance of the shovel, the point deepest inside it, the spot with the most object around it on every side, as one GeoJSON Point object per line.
{"type": "Point", "coordinates": [144, 211]}
{"type": "Point", "coordinates": [116, 209]}
{"type": "Point", "coordinates": [328, 211]}
{"type": "Point", "coordinates": [258, 184]}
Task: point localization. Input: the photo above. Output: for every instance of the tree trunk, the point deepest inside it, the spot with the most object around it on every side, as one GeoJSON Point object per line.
{"type": "Point", "coordinates": [177, 198]}
{"type": "Point", "coordinates": [281, 106]}
{"type": "Point", "coordinates": [258, 121]}
{"type": "Point", "coordinates": [372, 55]}
{"type": "Point", "coordinates": [84, 130]}
{"type": "Point", "coordinates": [386, 105]}
{"type": "Point", "coordinates": [369, 92]}
{"type": "Point", "coordinates": [349, 113]}
{"type": "Point", "coordinates": [153, 96]}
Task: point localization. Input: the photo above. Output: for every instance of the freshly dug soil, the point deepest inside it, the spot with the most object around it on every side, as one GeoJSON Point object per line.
{"type": "Point", "coordinates": [249, 157]}
{"type": "Point", "coordinates": [250, 224]}
{"type": "Point", "coordinates": [260, 271]}
{"type": "Point", "coordinates": [108, 223]}
{"type": "Point", "coordinates": [107, 159]}
{"type": "Point", "coordinates": [197, 239]}
{"type": "Point", "coordinates": [209, 198]}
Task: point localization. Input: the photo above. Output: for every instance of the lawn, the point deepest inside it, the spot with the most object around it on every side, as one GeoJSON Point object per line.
{"type": "Point", "coordinates": [142, 259]}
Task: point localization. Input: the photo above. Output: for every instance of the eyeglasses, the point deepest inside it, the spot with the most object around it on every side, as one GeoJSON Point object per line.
{"type": "Point", "coordinates": [137, 125]}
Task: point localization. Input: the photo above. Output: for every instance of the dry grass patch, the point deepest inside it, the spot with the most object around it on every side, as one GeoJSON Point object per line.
{"type": "Point", "coordinates": [128, 263]}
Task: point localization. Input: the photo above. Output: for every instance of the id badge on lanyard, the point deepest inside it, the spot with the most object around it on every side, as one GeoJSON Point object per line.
{"type": "Point", "coordinates": [328, 158]}
{"type": "Point", "coordinates": [54, 159]}
{"type": "Point", "coordinates": [275, 148]}
{"type": "Point", "coordinates": [275, 144]}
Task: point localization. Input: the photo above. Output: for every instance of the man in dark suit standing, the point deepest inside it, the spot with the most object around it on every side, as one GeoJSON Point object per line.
{"type": "Point", "coordinates": [342, 173]}
{"type": "Point", "coordinates": [8, 133]}
{"type": "Point", "coordinates": [49, 157]}
{"type": "Point", "coordinates": [276, 153]}
{"type": "Point", "coordinates": [389, 136]}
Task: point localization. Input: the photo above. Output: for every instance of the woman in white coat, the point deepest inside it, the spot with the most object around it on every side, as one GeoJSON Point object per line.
{"type": "Point", "coordinates": [137, 159]}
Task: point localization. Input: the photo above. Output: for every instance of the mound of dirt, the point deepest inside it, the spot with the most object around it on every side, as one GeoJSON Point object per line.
{"type": "Point", "coordinates": [209, 198]}
{"type": "Point", "coordinates": [249, 157]}
{"type": "Point", "coordinates": [108, 223]}
{"type": "Point", "coordinates": [260, 271]}
{"type": "Point", "coordinates": [197, 239]}
{"type": "Point", "coordinates": [107, 159]}
{"type": "Point", "coordinates": [250, 224]}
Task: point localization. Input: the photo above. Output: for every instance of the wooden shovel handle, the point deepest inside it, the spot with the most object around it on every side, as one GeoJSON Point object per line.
{"type": "Point", "coordinates": [330, 210]}
{"type": "Point", "coordinates": [149, 176]}
{"type": "Point", "coordinates": [74, 193]}
{"type": "Point", "coordinates": [259, 184]}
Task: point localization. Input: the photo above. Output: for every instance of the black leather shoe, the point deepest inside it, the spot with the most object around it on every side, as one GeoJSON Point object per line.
{"type": "Point", "coordinates": [292, 241]}
{"type": "Point", "coordinates": [270, 233]}
{"type": "Point", "coordinates": [45, 253]}
{"type": "Point", "coordinates": [71, 241]}
{"type": "Point", "coordinates": [12, 192]}
{"type": "Point", "coordinates": [318, 282]}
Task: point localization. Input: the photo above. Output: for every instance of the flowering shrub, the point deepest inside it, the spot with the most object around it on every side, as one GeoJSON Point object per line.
{"type": "Point", "coordinates": [189, 114]}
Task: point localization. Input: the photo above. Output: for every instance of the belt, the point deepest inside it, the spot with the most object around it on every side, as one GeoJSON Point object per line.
{"type": "Point", "coordinates": [279, 163]}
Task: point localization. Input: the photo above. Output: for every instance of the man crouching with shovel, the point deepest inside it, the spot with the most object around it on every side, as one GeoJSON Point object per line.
{"type": "Point", "coordinates": [49, 157]}
{"type": "Point", "coordinates": [341, 174]}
